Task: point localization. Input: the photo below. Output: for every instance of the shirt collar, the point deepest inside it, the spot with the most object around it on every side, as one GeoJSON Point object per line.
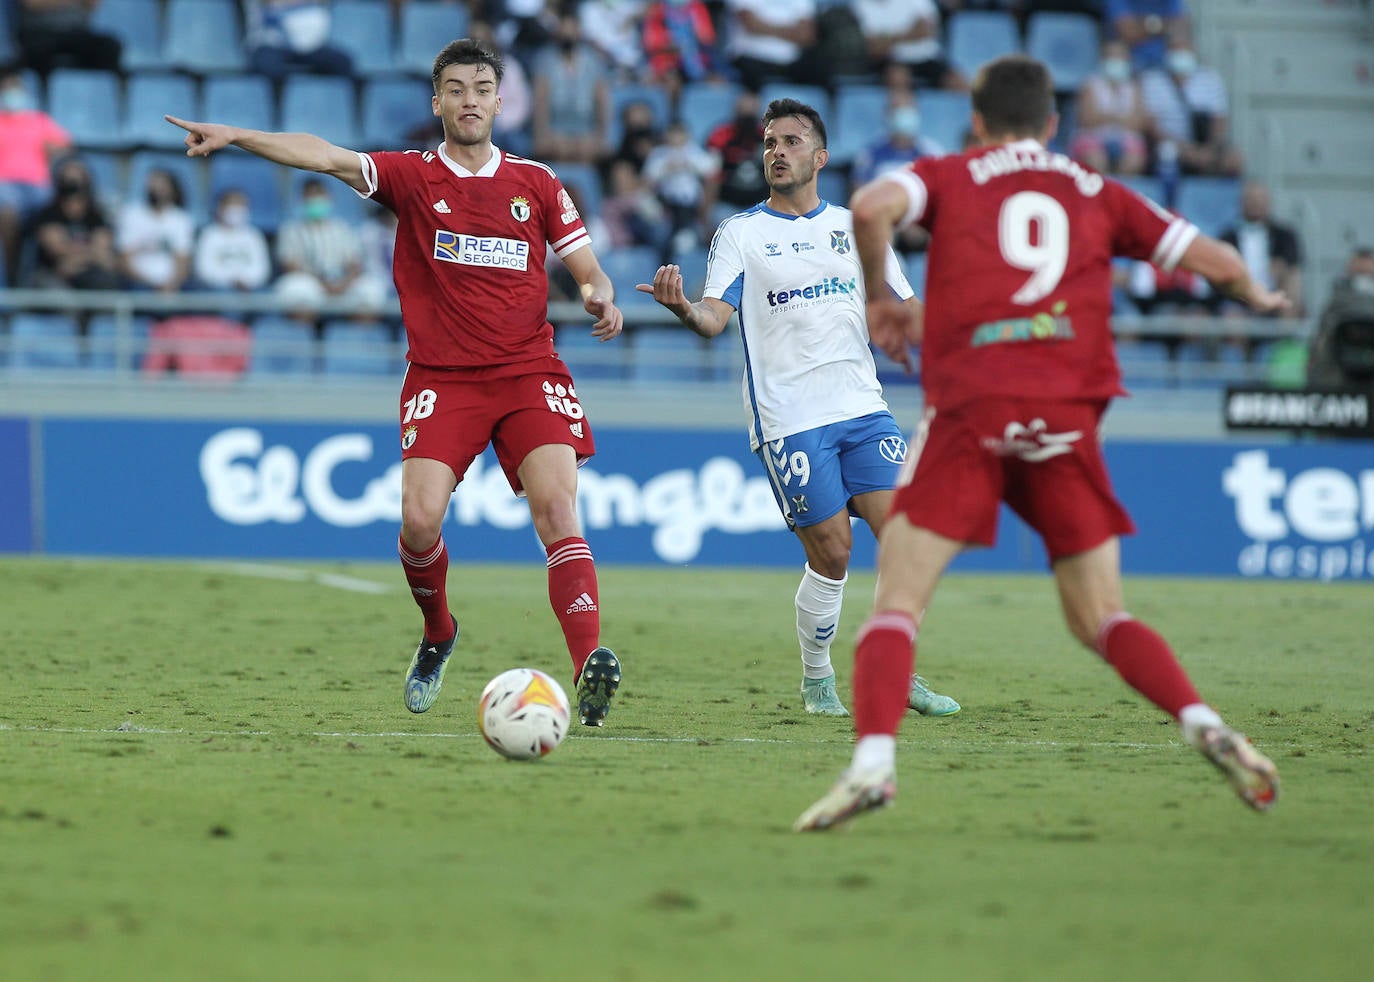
{"type": "Point", "coordinates": [487, 169]}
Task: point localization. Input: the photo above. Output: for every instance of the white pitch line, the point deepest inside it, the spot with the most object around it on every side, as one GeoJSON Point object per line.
{"type": "Point", "coordinates": [293, 575]}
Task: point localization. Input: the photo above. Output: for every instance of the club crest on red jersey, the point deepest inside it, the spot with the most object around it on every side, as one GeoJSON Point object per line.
{"type": "Point", "coordinates": [408, 436]}
{"type": "Point", "coordinates": [520, 208]}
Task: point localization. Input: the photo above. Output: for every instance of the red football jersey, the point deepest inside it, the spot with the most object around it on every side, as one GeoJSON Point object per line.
{"type": "Point", "coordinates": [470, 249]}
{"type": "Point", "coordinates": [1019, 282]}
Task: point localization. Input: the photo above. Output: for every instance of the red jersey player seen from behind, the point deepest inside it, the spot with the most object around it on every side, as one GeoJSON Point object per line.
{"type": "Point", "coordinates": [1018, 366]}
{"type": "Point", "coordinates": [473, 227]}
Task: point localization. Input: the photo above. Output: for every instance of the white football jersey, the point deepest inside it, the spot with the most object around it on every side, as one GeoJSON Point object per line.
{"type": "Point", "coordinates": [796, 283]}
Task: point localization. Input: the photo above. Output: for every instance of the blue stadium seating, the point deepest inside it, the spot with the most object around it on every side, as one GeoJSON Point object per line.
{"type": "Point", "coordinates": [973, 37]}
{"type": "Point", "coordinates": [1144, 184]}
{"type": "Point", "coordinates": [666, 354]}
{"type": "Point", "coordinates": [860, 119]}
{"type": "Point", "coordinates": [240, 100]}
{"type": "Point", "coordinates": [705, 105]}
{"type": "Point", "coordinates": [914, 265]}
{"type": "Point", "coordinates": [44, 341]}
{"type": "Point", "coordinates": [1067, 43]}
{"type": "Point", "coordinates": [260, 179]}
{"type": "Point", "coordinates": [282, 346]}
{"type": "Point", "coordinates": [148, 96]}
{"type": "Point", "coordinates": [1210, 203]}
{"type": "Point", "coordinates": [624, 95]}
{"type": "Point", "coordinates": [425, 27]}
{"type": "Point", "coordinates": [353, 348]}
{"type": "Point", "coordinates": [7, 51]}
{"type": "Point", "coordinates": [107, 175]}
{"type": "Point", "coordinates": [945, 117]}
{"type": "Point", "coordinates": [363, 28]}
{"type": "Point", "coordinates": [833, 186]}
{"type": "Point", "coordinates": [203, 36]}
{"type": "Point", "coordinates": [138, 24]}
{"type": "Point", "coordinates": [586, 357]}
{"type": "Point", "coordinates": [626, 267]}
{"type": "Point", "coordinates": [324, 105]}
{"type": "Point", "coordinates": [89, 105]}
{"type": "Point", "coordinates": [102, 334]}
{"type": "Point", "coordinates": [392, 107]}
{"type": "Point", "coordinates": [813, 95]}
{"type": "Point", "coordinates": [190, 173]}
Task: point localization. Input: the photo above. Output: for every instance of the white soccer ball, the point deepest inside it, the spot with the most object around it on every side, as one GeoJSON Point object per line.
{"type": "Point", "coordinates": [523, 713]}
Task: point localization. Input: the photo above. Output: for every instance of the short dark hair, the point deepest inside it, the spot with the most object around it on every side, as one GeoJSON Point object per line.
{"type": "Point", "coordinates": [794, 107]}
{"type": "Point", "coordinates": [468, 51]}
{"type": "Point", "coordinates": [1015, 96]}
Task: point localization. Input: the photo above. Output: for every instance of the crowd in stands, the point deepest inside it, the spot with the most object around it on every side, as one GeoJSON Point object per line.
{"type": "Point", "coordinates": [648, 110]}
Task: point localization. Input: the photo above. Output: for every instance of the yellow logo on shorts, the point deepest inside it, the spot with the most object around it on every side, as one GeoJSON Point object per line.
{"type": "Point", "coordinates": [408, 436]}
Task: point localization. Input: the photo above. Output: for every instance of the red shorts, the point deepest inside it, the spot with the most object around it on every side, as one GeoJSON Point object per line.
{"type": "Point", "coordinates": [451, 416]}
{"type": "Point", "coordinates": [1042, 458]}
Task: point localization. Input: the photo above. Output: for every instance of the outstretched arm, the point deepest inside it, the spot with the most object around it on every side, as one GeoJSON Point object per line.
{"type": "Point", "coordinates": [598, 293]}
{"type": "Point", "coordinates": [303, 151]}
{"type": "Point", "coordinates": [1220, 264]}
{"type": "Point", "coordinates": [706, 317]}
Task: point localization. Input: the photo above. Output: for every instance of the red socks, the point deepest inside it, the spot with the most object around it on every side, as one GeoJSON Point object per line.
{"type": "Point", "coordinates": [427, 576]}
{"type": "Point", "coordinates": [882, 672]}
{"type": "Point", "coordinates": [1146, 662]}
{"type": "Point", "coordinates": [572, 594]}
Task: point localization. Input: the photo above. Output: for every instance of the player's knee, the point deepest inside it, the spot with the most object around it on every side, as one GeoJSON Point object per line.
{"type": "Point", "coordinates": [831, 560]}
{"type": "Point", "coordinates": [420, 526]}
{"type": "Point", "coordinates": [554, 519]}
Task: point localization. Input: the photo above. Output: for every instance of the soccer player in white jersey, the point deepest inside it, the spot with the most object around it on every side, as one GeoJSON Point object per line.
{"type": "Point", "coordinates": [473, 227]}
{"type": "Point", "coordinates": [818, 422]}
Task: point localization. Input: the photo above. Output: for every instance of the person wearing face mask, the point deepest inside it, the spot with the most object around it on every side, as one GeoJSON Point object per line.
{"type": "Point", "coordinates": [572, 98]}
{"type": "Point", "coordinates": [737, 143]}
{"type": "Point", "coordinates": [231, 252]}
{"type": "Point", "coordinates": [1112, 122]}
{"type": "Point", "coordinates": [319, 254]}
{"type": "Point", "coordinates": [1188, 104]}
{"type": "Point", "coordinates": [29, 141]}
{"type": "Point", "coordinates": [154, 237]}
{"type": "Point", "coordinates": [73, 240]}
{"type": "Point", "coordinates": [902, 144]}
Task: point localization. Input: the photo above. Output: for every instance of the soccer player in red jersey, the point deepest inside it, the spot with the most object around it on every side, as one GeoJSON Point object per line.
{"type": "Point", "coordinates": [473, 227]}
{"type": "Point", "coordinates": [1018, 365]}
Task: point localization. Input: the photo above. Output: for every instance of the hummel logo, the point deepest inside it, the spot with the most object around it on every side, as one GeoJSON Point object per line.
{"type": "Point", "coordinates": [441, 206]}
{"type": "Point", "coordinates": [582, 605]}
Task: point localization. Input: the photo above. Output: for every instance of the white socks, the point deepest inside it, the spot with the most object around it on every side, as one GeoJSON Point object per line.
{"type": "Point", "coordinates": [818, 616]}
{"type": "Point", "coordinates": [1196, 717]}
{"type": "Point", "coordinates": [874, 752]}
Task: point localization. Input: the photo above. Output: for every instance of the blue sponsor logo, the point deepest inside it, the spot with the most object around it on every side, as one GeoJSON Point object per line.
{"type": "Point", "coordinates": [831, 287]}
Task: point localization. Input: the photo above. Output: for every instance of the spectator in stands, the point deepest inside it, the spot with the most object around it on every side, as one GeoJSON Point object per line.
{"type": "Point", "coordinates": [612, 28]}
{"type": "Point", "coordinates": [155, 237]}
{"type": "Point", "coordinates": [571, 98]}
{"type": "Point", "coordinates": [524, 27]}
{"type": "Point", "coordinates": [677, 170]}
{"type": "Point", "coordinates": [768, 40]}
{"type": "Point", "coordinates": [1113, 124]}
{"type": "Point", "coordinates": [1342, 347]}
{"type": "Point", "coordinates": [377, 239]}
{"type": "Point", "coordinates": [285, 36]}
{"type": "Point", "coordinates": [319, 255]}
{"type": "Point", "coordinates": [198, 344]}
{"type": "Point", "coordinates": [680, 43]}
{"type": "Point", "coordinates": [231, 253]}
{"type": "Point", "coordinates": [74, 242]}
{"type": "Point", "coordinates": [632, 213]}
{"type": "Point", "coordinates": [1272, 251]}
{"type": "Point", "coordinates": [899, 146]}
{"type": "Point", "coordinates": [639, 133]}
{"type": "Point", "coordinates": [1188, 105]}
{"type": "Point", "coordinates": [30, 141]}
{"type": "Point", "coordinates": [908, 32]}
{"type": "Point", "coordinates": [1145, 27]}
{"type": "Point", "coordinates": [57, 34]}
{"type": "Point", "coordinates": [738, 145]}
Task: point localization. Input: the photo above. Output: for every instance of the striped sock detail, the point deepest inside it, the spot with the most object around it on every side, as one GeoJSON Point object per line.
{"type": "Point", "coordinates": [890, 620]}
{"type": "Point", "coordinates": [568, 551]}
{"type": "Point", "coordinates": [1106, 628]}
{"type": "Point", "coordinates": [411, 559]}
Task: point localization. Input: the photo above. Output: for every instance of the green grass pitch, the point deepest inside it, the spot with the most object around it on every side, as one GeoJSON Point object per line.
{"type": "Point", "coordinates": [206, 772]}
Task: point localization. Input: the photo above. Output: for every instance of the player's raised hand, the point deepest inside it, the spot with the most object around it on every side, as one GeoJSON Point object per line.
{"type": "Point", "coordinates": [894, 327]}
{"type": "Point", "coordinates": [202, 139]}
{"type": "Point", "coordinates": [609, 320]}
{"type": "Point", "coordinates": [667, 289]}
{"type": "Point", "coordinates": [1263, 301]}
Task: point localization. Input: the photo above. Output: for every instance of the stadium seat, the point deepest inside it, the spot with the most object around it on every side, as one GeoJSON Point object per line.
{"type": "Point", "coordinates": [203, 36]}
{"type": "Point", "coordinates": [860, 120]}
{"type": "Point", "coordinates": [190, 173]}
{"type": "Point", "coordinates": [667, 354]}
{"type": "Point", "coordinates": [1144, 184]}
{"type": "Point", "coordinates": [945, 117]}
{"type": "Point", "coordinates": [1144, 364]}
{"type": "Point", "coordinates": [586, 357]}
{"type": "Point", "coordinates": [1210, 203]}
{"type": "Point", "coordinates": [107, 174]}
{"type": "Point", "coordinates": [44, 341]}
{"type": "Point", "coordinates": [150, 95]}
{"type": "Point", "coordinates": [282, 346]}
{"type": "Point", "coordinates": [363, 28]}
{"type": "Point", "coordinates": [240, 100]}
{"type": "Point", "coordinates": [7, 51]}
{"type": "Point", "coordinates": [813, 95]}
{"type": "Point", "coordinates": [833, 186]}
{"type": "Point", "coordinates": [89, 105]}
{"type": "Point", "coordinates": [914, 265]}
{"type": "Point", "coordinates": [977, 36]}
{"type": "Point", "coordinates": [394, 106]}
{"type": "Point", "coordinates": [586, 180]}
{"type": "Point", "coordinates": [693, 264]}
{"type": "Point", "coordinates": [324, 105]}
{"type": "Point", "coordinates": [705, 105]}
{"type": "Point", "coordinates": [624, 95]}
{"type": "Point", "coordinates": [260, 179]}
{"type": "Point", "coordinates": [1067, 43]}
{"type": "Point", "coordinates": [353, 348]}
{"type": "Point", "coordinates": [347, 204]}
{"type": "Point", "coordinates": [107, 349]}
{"type": "Point", "coordinates": [138, 24]}
{"type": "Point", "coordinates": [625, 268]}
{"type": "Point", "coordinates": [424, 28]}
